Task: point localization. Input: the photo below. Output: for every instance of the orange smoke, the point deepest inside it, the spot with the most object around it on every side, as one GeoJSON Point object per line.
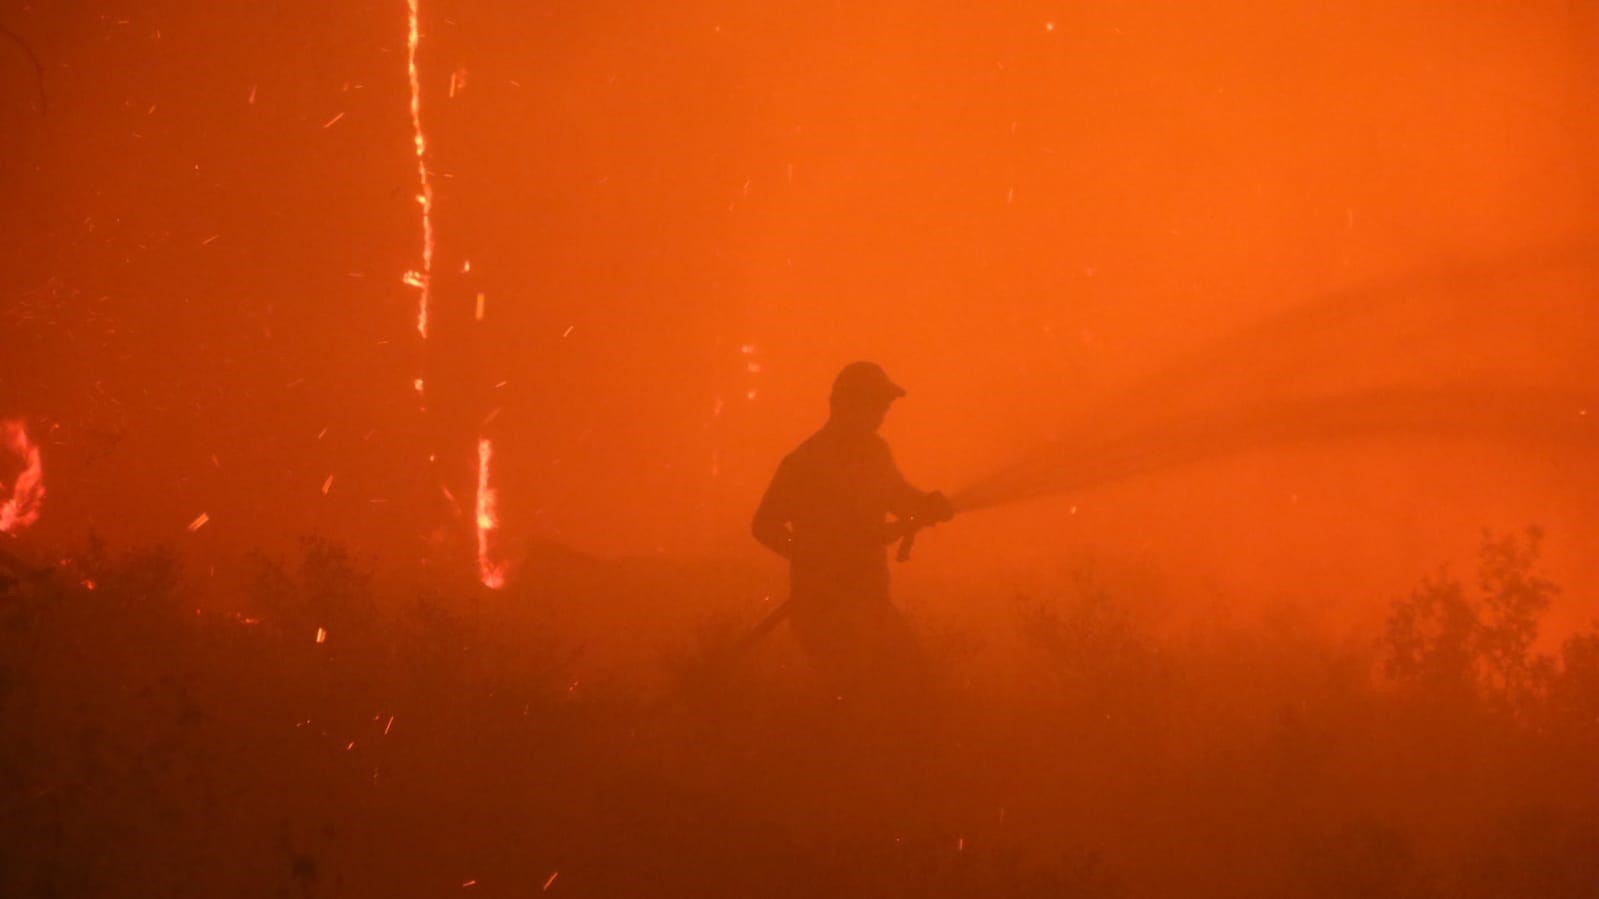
{"type": "Point", "coordinates": [21, 507]}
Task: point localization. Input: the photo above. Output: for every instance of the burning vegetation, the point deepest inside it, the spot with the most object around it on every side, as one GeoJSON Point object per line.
{"type": "Point", "coordinates": [25, 493]}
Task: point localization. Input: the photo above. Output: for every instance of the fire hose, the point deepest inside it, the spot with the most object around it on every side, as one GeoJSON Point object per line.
{"type": "Point", "coordinates": [904, 531]}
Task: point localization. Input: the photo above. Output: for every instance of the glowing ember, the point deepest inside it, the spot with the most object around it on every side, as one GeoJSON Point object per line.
{"type": "Point", "coordinates": [550, 881]}
{"type": "Point", "coordinates": [421, 280]}
{"type": "Point", "coordinates": [490, 571]}
{"type": "Point", "coordinates": [198, 522]}
{"type": "Point", "coordinates": [321, 635]}
{"type": "Point", "coordinates": [21, 507]}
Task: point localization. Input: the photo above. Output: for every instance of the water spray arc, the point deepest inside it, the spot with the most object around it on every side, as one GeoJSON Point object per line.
{"type": "Point", "coordinates": [1159, 423]}
{"type": "Point", "coordinates": [1467, 411]}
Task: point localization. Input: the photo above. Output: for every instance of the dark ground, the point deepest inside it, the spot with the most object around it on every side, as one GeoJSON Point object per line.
{"type": "Point", "coordinates": [441, 742]}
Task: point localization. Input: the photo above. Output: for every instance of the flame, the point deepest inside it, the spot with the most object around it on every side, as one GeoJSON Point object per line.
{"type": "Point", "coordinates": [422, 280]}
{"type": "Point", "coordinates": [21, 508]}
{"type": "Point", "coordinates": [490, 571]}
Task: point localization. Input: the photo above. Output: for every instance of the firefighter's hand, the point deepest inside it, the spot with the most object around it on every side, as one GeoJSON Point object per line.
{"type": "Point", "coordinates": [938, 508]}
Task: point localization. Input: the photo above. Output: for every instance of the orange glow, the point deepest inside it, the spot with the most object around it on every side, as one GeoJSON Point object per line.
{"type": "Point", "coordinates": [1226, 330]}
{"type": "Point", "coordinates": [21, 506]}
{"type": "Point", "coordinates": [491, 571]}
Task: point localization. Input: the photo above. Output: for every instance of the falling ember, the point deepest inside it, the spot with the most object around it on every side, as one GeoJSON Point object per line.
{"type": "Point", "coordinates": [327, 485]}
{"type": "Point", "coordinates": [550, 881]}
{"type": "Point", "coordinates": [21, 507]}
{"type": "Point", "coordinates": [421, 280]}
{"type": "Point", "coordinates": [490, 571]}
{"type": "Point", "coordinates": [321, 635]}
{"type": "Point", "coordinates": [198, 522]}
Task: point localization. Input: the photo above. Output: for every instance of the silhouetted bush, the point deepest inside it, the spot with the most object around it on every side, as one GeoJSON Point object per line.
{"type": "Point", "coordinates": [164, 738]}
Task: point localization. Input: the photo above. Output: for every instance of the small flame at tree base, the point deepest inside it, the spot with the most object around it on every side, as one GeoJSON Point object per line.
{"type": "Point", "coordinates": [491, 571]}
{"type": "Point", "coordinates": [21, 506]}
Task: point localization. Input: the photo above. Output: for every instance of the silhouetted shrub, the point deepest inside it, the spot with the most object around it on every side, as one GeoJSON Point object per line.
{"type": "Point", "coordinates": [162, 739]}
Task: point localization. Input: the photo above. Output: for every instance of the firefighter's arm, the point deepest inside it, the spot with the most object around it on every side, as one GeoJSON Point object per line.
{"type": "Point", "coordinates": [915, 508]}
{"type": "Point", "coordinates": [770, 526]}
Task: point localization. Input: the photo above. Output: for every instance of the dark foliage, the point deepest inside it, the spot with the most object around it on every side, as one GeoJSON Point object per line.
{"type": "Point", "coordinates": [432, 742]}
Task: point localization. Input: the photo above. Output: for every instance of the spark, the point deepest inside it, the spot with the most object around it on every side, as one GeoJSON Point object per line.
{"type": "Point", "coordinates": [199, 522]}
{"type": "Point", "coordinates": [550, 880]}
{"type": "Point", "coordinates": [333, 121]}
{"type": "Point", "coordinates": [327, 485]}
{"type": "Point", "coordinates": [490, 571]}
{"type": "Point", "coordinates": [386, 727]}
{"type": "Point", "coordinates": [426, 197]}
{"type": "Point", "coordinates": [321, 635]}
{"type": "Point", "coordinates": [21, 508]}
